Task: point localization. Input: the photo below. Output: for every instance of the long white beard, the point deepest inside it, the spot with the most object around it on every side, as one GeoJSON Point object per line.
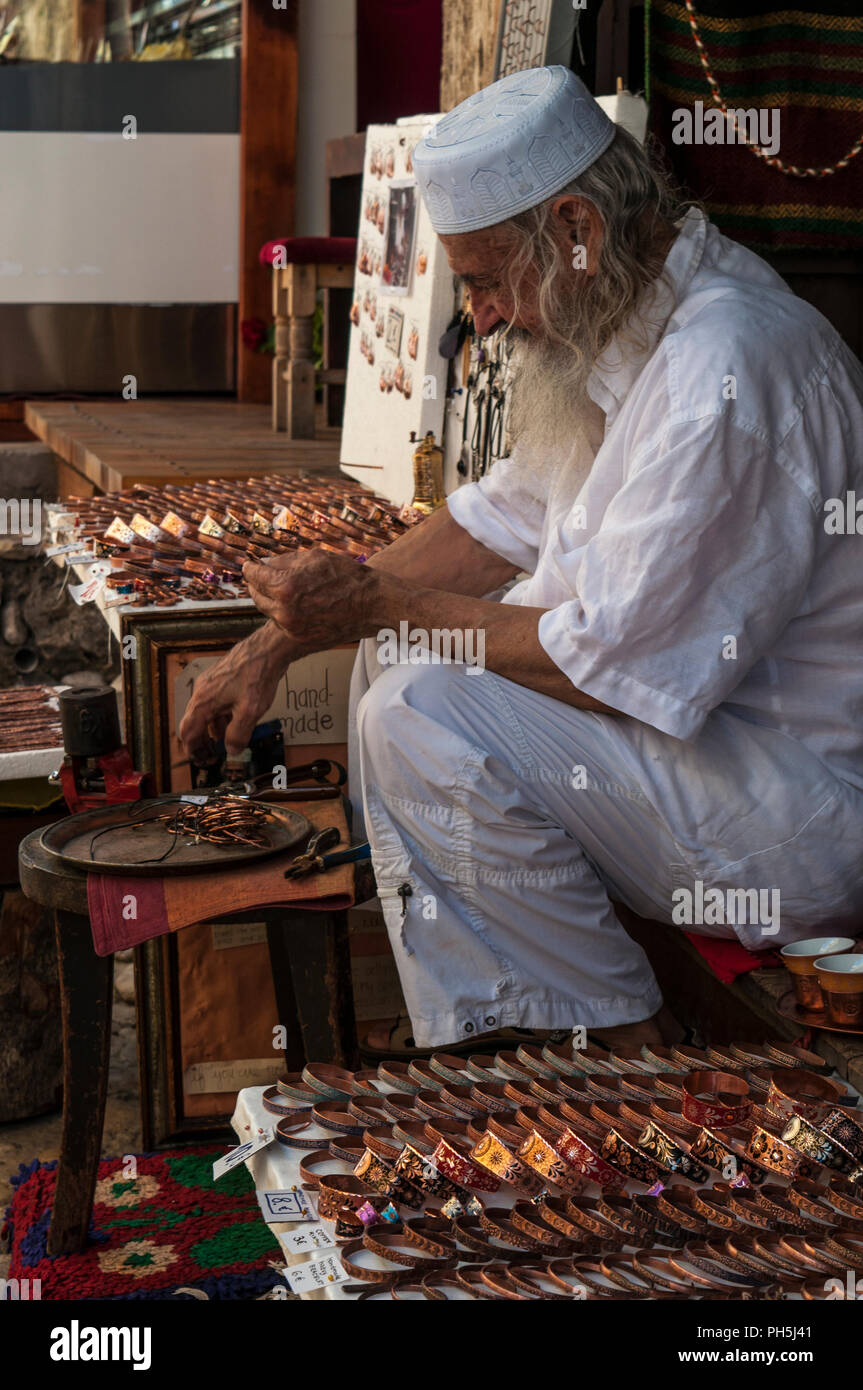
{"type": "Point", "coordinates": [554, 423]}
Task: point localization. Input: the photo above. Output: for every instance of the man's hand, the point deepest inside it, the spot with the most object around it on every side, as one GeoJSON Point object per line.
{"type": "Point", "coordinates": [231, 696]}
{"type": "Point", "coordinates": [316, 597]}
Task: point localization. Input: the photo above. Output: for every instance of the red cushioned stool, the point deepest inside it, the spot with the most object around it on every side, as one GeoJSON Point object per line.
{"type": "Point", "coordinates": [301, 266]}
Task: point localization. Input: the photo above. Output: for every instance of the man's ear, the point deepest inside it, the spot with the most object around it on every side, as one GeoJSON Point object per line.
{"type": "Point", "coordinates": [582, 224]}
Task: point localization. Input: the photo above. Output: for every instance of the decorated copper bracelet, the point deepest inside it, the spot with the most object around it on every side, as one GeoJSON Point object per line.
{"type": "Point", "coordinates": [803, 1136]}
{"type": "Point", "coordinates": [335, 1191]}
{"type": "Point", "coordinates": [422, 1173]}
{"type": "Point", "coordinates": [270, 1101]}
{"type": "Point", "coordinates": [293, 1085]}
{"type": "Point", "coordinates": [426, 1078]}
{"type": "Point", "coordinates": [526, 1217]}
{"type": "Point", "coordinates": [379, 1139]}
{"type": "Point", "coordinates": [719, 1155]}
{"type": "Point", "coordinates": [658, 1223]}
{"type": "Point", "coordinates": [380, 1175]}
{"type": "Point", "coordinates": [550, 1166]}
{"type": "Point", "coordinates": [677, 1204]}
{"type": "Point", "coordinates": [616, 1209]}
{"type": "Point", "coordinates": [497, 1223]}
{"type": "Point", "coordinates": [493, 1155]}
{"type": "Point", "coordinates": [718, 1111]}
{"type": "Point", "coordinates": [459, 1167]}
{"type": "Point", "coordinates": [331, 1115]}
{"type": "Point", "coordinates": [659, 1145]}
{"type": "Point", "coordinates": [333, 1083]}
{"type": "Point", "coordinates": [360, 1271]}
{"type": "Point", "coordinates": [768, 1149]}
{"type": "Point", "coordinates": [581, 1156]}
{"type": "Point", "coordinates": [839, 1125]}
{"type": "Point", "coordinates": [290, 1132]}
{"type": "Point", "coordinates": [370, 1110]}
{"type": "Point", "coordinates": [797, 1092]}
{"type": "Point", "coordinates": [491, 1095]}
{"type": "Point", "coordinates": [623, 1154]}
{"type": "Point", "coordinates": [846, 1197]}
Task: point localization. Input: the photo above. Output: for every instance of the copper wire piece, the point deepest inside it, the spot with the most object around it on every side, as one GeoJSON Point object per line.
{"type": "Point", "coordinates": [223, 821]}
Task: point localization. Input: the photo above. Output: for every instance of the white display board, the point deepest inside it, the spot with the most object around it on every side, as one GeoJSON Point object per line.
{"type": "Point", "coordinates": [404, 297]}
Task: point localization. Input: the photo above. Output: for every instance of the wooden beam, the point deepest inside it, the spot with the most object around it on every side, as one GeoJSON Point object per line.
{"type": "Point", "coordinates": [268, 151]}
{"type": "Point", "coordinates": [469, 46]}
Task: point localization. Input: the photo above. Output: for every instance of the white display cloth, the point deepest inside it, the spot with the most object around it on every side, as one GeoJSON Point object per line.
{"type": "Point", "coordinates": [276, 1168]}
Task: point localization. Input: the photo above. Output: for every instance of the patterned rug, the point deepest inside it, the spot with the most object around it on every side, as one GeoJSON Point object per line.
{"type": "Point", "coordinates": [159, 1224]}
{"type": "Point", "coordinates": [804, 60]}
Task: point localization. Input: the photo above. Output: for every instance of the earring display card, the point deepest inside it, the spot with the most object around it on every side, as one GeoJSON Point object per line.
{"type": "Point", "coordinates": [404, 294]}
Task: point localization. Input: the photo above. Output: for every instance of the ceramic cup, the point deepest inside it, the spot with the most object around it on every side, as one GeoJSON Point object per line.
{"type": "Point", "coordinates": [841, 979]}
{"type": "Point", "coordinates": [799, 958]}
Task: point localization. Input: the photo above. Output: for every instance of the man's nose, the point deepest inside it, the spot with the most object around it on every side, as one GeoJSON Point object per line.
{"type": "Point", "coordinates": [485, 316]}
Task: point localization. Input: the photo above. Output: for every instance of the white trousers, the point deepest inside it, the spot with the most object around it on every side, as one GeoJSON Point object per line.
{"type": "Point", "coordinates": [502, 824]}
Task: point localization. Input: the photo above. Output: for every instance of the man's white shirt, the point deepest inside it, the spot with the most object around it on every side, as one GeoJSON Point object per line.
{"type": "Point", "coordinates": [696, 566]}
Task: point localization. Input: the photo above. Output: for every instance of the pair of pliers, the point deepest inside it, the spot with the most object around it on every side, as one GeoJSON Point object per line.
{"type": "Point", "coordinates": [315, 861]}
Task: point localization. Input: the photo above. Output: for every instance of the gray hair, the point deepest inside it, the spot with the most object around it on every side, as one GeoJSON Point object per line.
{"type": "Point", "coordinates": [636, 201]}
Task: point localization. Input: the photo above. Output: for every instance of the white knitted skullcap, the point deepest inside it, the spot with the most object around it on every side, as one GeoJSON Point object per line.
{"type": "Point", "coordinates": [508, 147]}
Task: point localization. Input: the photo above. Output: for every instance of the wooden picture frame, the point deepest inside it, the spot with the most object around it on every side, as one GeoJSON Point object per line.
{"type": "Point", "coordinates": [167, 1012]}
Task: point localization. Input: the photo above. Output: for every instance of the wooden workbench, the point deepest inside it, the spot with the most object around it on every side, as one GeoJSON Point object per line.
{"type": "Point", "coordinates": [108, 445]}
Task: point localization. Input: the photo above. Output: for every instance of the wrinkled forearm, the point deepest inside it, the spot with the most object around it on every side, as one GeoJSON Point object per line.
{"type": "Point", "coordinates": [441, 554]}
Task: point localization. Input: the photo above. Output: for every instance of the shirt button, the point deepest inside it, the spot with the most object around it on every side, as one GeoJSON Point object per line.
{"type": "Point", "coordinates": [491, 1020]}
{"type": "Point", "coordinates": [468, 1027]}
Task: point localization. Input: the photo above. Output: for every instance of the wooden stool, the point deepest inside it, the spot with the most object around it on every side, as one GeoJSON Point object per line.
{"type": "Point", "coordinates": [301, 266]}
{"type": "Point", "coordinates": [310, 959]}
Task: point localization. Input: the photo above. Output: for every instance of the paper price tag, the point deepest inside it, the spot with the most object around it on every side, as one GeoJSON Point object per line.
{"type": "Point", "coordinates": [286, 1205]}
{"type": "Point", "coordinates": [196, 800]}
{"type": "Point", "coordinates": [53, 550]}
{"type": "Point", "coordinates": [229, 1161]}
{"type": "Point", "coordinates": [309, 1238]}
{"type": "Point", "coordinates": [316, 1274]}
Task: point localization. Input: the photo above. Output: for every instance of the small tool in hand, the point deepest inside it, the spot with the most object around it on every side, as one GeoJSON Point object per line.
{"type": "Point", "coordinates": [316, 861]}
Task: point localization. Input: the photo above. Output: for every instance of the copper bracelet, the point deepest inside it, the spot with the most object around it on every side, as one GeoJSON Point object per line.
{"type": "Point", "coordinates": [379, 1140]}
{"type": "Point", "coordinates": [797, 1092]}
{"type": "Point", "coordinates": [540, 1154]}
{"type": "Point", "coordinates": [659, 1146]}
{"type": "Point", "coordinates": [768, 1149]}
{"type": "Point", "coordinates": [812, 1142]}
{"type": "Point", "coordinates": [839, 1125]}
{"type": "Point", "coordinates": [623, 1154]}
{"type": "Point", "coordinates": [717, 1111]}
{"type": "Point", "coordinates": [580, 1155]}
{"type": "Point", "coordinates": [451, 1160]}
{"type": "Point", "coordinates": [493, 1155]}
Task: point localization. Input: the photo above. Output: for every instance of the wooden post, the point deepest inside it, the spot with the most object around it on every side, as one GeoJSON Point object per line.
{"type": "Point", "coordinates": [268, 148]}
{"type": "Point", "coordinates": [469, 41]}
{"type": "Point", "coordinates": [302, 287]}
{"type": "Point", "coordinates": [282, 344]}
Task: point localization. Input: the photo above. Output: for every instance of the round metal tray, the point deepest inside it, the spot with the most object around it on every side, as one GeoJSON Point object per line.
{"type": "Point", "coordinates": [134, 840]}
{"type": "Point", "coordinates": [812, 1018]}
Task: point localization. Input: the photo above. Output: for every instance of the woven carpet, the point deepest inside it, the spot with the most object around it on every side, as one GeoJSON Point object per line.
{"type": "Point", "coordinates": [805, 61]}
{"type": "Point", "coordinates": [168, 1226]}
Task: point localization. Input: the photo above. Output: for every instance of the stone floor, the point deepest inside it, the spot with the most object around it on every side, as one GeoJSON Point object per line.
{"type": "Point", "coordinates": [40, 1137]}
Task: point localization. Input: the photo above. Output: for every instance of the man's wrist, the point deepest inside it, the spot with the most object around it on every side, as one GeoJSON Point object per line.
{"type": "Point", "coordinates": [279, 644]}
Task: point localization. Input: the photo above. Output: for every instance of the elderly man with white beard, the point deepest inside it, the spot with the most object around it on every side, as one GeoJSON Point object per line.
{"type": "Point", "coordinates": [670, 710]}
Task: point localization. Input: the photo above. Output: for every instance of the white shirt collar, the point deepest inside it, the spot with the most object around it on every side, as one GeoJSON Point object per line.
{"type": "Point", "coordinates": [615, 372]}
